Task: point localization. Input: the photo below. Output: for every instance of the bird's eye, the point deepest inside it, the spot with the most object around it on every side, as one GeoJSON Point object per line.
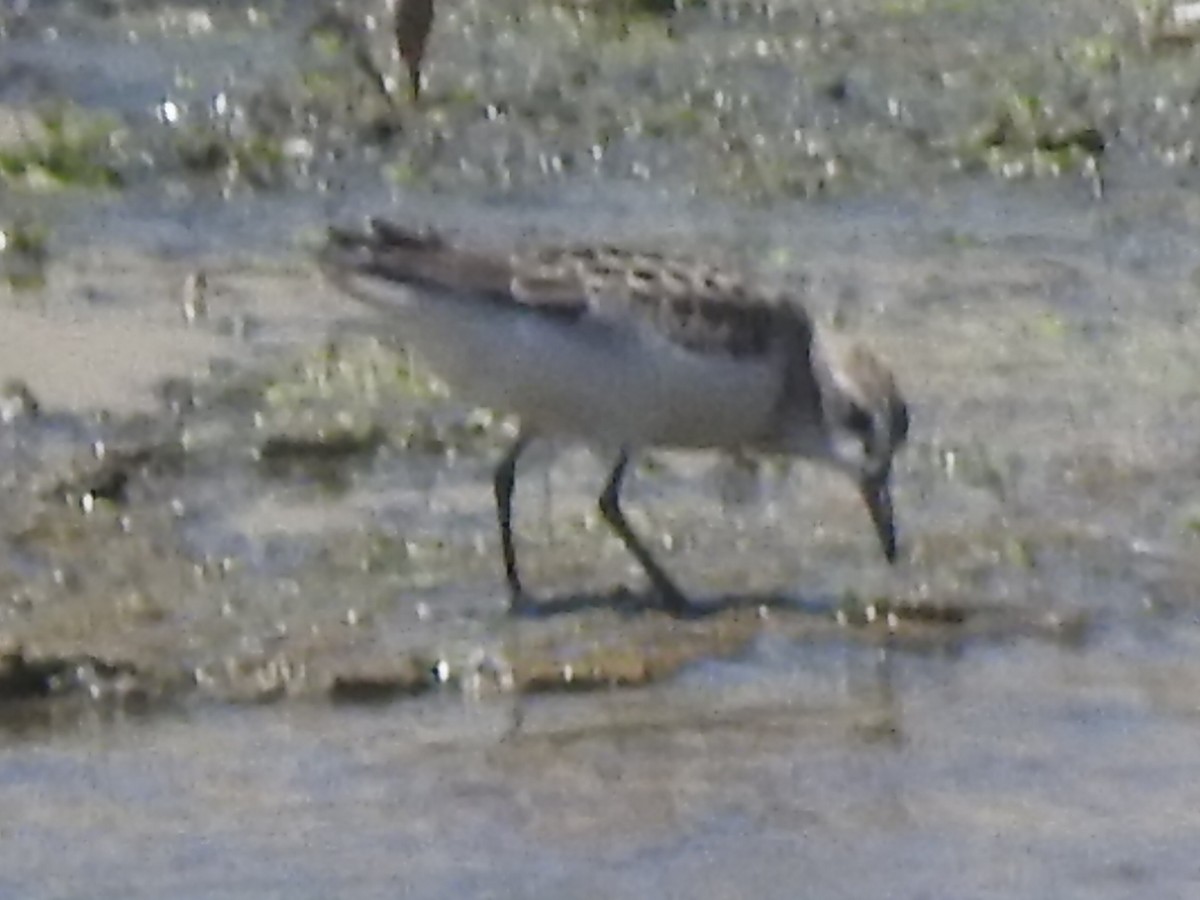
{"type": "Point", "coordinates": [859, 420]}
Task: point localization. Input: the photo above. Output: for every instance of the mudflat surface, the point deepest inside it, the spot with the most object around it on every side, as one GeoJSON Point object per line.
{"type": "Point", "coordinates": [253, 638]}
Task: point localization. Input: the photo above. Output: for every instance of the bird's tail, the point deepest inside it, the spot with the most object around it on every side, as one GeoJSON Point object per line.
{"type": "Point", "coordinates": [375, 265]}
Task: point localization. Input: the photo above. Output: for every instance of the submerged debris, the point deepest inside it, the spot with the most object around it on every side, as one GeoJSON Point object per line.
{"type": "Point", "coordinates": [1169, 25]}
{"type": "Point", "coordinates": [405, 677]}
{"type": "Point", "coordinates": [281, 453]}
{"type": "Point", "coordinates": [25, 676]}
{"type": "Point", "coordinates": [24, 255]}
{"type": "Point", "coordinates": [108, 475]}
{"type": "Point", "coordinates": [17, 401]}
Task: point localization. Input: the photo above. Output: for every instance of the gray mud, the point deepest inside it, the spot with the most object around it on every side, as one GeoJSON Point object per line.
{"type": "Point", "coordinates": [253, 638]}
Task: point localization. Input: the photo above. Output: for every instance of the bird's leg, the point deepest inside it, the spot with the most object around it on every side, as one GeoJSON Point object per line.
{"type": "Point", "coordinates": [413, 21]}
{"type": "Point", "coordinates": [503, 482]}
{"type": "Point", "coordinates": [610, 507]}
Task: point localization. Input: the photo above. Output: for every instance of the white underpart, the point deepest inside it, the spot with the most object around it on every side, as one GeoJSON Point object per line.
{"type": "Point", "coordinates": [609, 382]}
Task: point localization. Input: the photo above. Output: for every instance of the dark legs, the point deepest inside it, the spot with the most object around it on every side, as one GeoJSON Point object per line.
{"type": "Point", "coordinates": [504, 479]}
{"type": "Point", "coordinates": [610, 507]}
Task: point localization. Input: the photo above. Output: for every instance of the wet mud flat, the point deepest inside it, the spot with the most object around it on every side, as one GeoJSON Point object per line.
{"type": "Point", "coordinates": [253, 616]}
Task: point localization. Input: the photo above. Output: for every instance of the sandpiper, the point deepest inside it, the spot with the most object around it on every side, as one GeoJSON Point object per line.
{"type": "Point", "coordinates": [627, 349]}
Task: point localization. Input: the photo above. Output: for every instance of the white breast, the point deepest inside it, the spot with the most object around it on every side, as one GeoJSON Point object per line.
{"type": "Point", "coordinates": [605, 382]}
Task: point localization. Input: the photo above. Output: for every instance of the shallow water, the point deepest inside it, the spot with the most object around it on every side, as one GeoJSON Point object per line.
{"type": "Point", "coordinates": [1002, 773]}
{"type": "Point", "coordinates": [252, 639]}
{"type": "Point", "coordinates": [1011, 762]}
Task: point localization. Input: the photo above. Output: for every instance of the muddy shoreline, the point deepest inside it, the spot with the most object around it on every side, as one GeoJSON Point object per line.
{"type": "Point", "coordinates": [250, 598]}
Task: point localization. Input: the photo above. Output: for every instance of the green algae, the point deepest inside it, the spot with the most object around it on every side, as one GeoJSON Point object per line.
{"type": "Point", "coordinates": [70, 148]}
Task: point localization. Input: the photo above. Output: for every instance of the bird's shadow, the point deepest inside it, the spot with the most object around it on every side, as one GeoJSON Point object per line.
{"type": "Point", "coordinates": [627, 602]}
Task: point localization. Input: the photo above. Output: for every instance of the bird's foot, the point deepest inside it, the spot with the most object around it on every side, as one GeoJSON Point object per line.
{"type": "Point", "coordinates": [676, 604]}
{"type": "Point", "coordinates": [521, 603]}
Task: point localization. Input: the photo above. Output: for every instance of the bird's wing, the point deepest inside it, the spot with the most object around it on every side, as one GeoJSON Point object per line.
{"type": "Point", "coordinates": [694, 305]}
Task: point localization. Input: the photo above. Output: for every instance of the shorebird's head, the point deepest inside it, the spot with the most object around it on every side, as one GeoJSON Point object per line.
{"type": "Point", "coordinates": [866, 422]}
